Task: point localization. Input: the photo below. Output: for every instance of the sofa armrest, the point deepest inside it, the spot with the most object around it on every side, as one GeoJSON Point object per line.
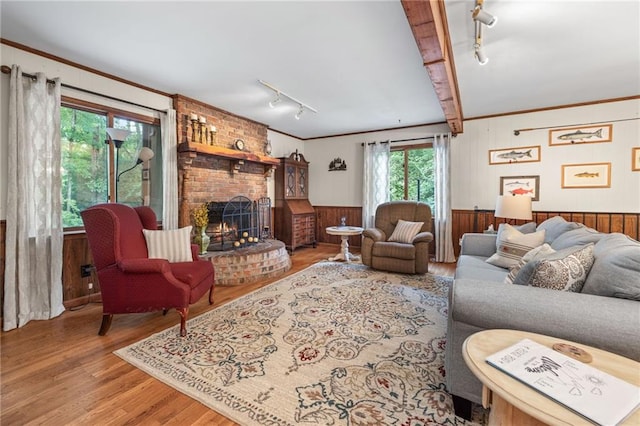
{"type": "Point", "coordinates": [478, 244]}
{"type": "Point", "coordinates": [604, 322]}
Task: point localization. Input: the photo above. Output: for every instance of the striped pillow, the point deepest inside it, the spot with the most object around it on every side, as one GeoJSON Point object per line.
{"type": "Point", "coordinates": [405, 231]}
{"type": "Point", "coordinates": [173, 244]}
{"type": "Point", "coordinates": [512, 244]}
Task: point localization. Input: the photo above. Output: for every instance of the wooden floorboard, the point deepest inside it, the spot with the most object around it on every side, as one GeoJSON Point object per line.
{"type": "Point", "coordinates": [61, 372]}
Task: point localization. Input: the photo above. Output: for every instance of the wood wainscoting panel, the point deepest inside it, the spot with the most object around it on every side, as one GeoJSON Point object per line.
{"type": "Point", "coordinates": [330, 216]}
{"type": "Point", "coordinates": [478, 220]}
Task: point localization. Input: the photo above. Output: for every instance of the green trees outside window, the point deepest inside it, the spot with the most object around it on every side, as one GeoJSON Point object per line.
{"type": "Point", "coordinates": [411, 174]}
{"type": "Point", "coordinates": [92, 170]}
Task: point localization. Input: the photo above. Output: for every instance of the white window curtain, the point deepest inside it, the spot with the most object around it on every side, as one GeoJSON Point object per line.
{"type": "Point", "coordinates": [33, 266]}
{"type": "Point", "coordinates": [442, 214]}
{"type": "Point", "coordinates": [169, 170]}
{"type": "Point", "coordinates": [375, 189]}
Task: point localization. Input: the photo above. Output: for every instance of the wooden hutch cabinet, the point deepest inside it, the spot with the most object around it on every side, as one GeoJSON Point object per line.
{"type": "Point", "coordinates": [295, 218]}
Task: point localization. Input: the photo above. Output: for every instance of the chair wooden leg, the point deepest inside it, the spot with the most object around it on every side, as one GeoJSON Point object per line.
{"type": "Point", "coordinates": [184, 313]}
{"type": "Point", "coordinates": [211, 295]}
{"type": "Point", "coordinates": [164, 311]}
{"type": "Point", "coordinates": [106, 323]}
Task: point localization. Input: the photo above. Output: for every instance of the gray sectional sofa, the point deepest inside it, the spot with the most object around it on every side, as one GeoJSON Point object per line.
{"type": "Point", "coordinates": [605, 313]}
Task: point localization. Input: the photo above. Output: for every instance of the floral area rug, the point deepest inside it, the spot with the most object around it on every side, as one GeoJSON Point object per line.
{"type": "Point", "coordinates": [334, 344]}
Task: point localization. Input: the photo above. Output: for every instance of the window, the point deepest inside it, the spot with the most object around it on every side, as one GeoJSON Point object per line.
{"type": "Point", "coordinates": [411, 174]}
{"type": "Point", "coordinates": [93, 171]}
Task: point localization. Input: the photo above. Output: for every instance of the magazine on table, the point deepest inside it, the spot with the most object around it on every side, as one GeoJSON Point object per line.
{"type": "Point", "coordinates": [592, 393]}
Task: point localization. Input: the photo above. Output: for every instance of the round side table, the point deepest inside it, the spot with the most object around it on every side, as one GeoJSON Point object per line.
{"type": "Point", "coordinates": [345, 232]}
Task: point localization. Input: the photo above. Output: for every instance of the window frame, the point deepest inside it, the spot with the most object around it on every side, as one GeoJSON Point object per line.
{"type": "Point", "coordinates": [406, 149]}
{"type": "Point", "coordinates": [111, 114]}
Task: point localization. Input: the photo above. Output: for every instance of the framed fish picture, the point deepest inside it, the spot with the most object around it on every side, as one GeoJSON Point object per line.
{"type": "Point", "coordinates": [521, 185]}
{"type": "Point", "coordinates": [583, 134]}
{"type": "Point", "coordinates": [588, 175]}
{"type": "Point", "coordinates": [635, 159]}
{"type": "Point", "coordinates": [524, 154]}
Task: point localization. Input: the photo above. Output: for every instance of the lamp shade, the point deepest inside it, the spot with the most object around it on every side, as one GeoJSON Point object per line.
{"type": "Point", "coordinates": [486, 18]}
{"type": "Point", "coordinates": [513, 207]}
{"type": "Point", "coordinates": [118, 135]}
{"type": "Point", "coordinates": [145, 154]}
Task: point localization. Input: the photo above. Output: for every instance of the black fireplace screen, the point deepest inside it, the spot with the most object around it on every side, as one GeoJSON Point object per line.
{"type": "Point", "coordinates": [237, 220]}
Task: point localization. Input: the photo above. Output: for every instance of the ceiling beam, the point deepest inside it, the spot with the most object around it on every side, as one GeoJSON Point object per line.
{"type": "Point", "coordinates": [428, 22]}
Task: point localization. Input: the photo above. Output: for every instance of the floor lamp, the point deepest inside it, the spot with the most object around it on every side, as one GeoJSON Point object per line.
{"type": "Point", "coordinates": [117, 136]}
{"type": "Point", "coordinates": [145, 154]}
{"type": "Point", "coordinates": [513, 207]}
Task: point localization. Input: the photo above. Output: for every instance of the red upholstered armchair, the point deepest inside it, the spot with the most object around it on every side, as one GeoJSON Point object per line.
{"type": "Point", "coordinates": [130, 281]}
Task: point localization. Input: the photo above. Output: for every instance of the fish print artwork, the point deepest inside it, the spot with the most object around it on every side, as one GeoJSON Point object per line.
{"type": "Point", "coordinates": [587, 175]}
{"type": "Point", "coordinates": [579, 135]}
{"type": "Point", "coordinates": [514, 155]}
{"type": "Point", "coordinates": [520, 185]}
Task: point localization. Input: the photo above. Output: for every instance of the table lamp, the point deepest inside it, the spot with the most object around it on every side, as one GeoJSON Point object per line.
{"type": "Point", "coordinates": [513, 207]}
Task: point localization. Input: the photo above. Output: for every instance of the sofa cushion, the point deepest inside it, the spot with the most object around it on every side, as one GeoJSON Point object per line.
{"type": "Point", "coordinates": [564, 270]}
{"type": "Point", "coordinates": [173, 245]}
{"type": "Point", "coordinates": [616, 270]}
{"type": "Point", "coordinates": [527, 228]}
{"type": "Point", "coordinates": [577, 237]}
{"type": "Point", "coordinates": [405, 231]}
{"type": "Point", "coordinates": [475, 267]}
{"type": "Point", "coordinates": [555, 226]}
{"type": "Point", "coordinates": [536, 253]}
{"type": "Point", "coordinates": [512, 244]}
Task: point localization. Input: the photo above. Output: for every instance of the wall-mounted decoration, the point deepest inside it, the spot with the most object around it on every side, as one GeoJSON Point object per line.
{"type": "Point", "coordinates": [635, 159]}
{"type": "Point", "coordinates": [590, 175]}
{"type": "Point", "coordinates": [523, 154]}
{"type": "Point", "coordinates": [337, 164]}
{"type": "Point", "coordinates": [521, 185]}
{"type": "Point", "coordinates": [583, 134]}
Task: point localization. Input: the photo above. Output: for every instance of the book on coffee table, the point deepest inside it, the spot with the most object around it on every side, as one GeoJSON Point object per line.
{"type": "Point", "coordinates": [592, 393]}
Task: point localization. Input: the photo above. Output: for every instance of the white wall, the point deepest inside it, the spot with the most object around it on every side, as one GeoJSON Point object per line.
{"type": "Point", "coordinates": [32, 64]}
{"type": "Point", "coordinates": [476, 183]}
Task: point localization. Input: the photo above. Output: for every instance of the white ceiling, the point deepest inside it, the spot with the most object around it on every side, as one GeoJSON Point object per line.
{"type": "Point", "coordinates": [356, 62]}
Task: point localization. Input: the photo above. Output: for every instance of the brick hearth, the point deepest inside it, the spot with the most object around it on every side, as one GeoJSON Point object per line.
{"type": "Point", "coordinates": [246, 265]}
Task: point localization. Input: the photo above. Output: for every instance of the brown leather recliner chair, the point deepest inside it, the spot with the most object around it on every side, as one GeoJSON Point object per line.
{"type": "Point", "coordinates": [130, 281]}
{"type": "Point", "coordinates": [410, 258]}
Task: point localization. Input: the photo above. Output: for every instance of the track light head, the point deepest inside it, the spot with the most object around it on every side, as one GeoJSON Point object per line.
{"type": "Point", "coordinates": [485, 17]}
{"type": "Point", "coordinates": [277, 99]}
{"type": "Point", "coordinates": [299, 113]}
{"type": "Point", "coordinates": [480, 56]}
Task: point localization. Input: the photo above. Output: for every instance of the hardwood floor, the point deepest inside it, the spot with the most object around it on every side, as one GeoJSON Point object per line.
{"type": "Point", "coordinates": [61, 372]}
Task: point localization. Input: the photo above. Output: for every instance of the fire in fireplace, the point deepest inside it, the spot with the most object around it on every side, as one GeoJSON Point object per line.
{"type": "Point", "coordinates": [236, 219]}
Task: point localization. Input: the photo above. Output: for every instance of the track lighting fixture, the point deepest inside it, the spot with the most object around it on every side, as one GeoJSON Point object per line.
{"type": "Point", "coordinates": [480, 56]}
{"type": "Point", "coordinates": [277, 99]}
{"type": "Point", "coordinates": [280, 94]}
{"type": "Point", "coordinates": [480, 18]}
{"type": "Point", "coordinates": [486, 18]}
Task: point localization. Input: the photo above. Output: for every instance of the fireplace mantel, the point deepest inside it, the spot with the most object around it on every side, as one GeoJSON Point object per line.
{"type": "Point", "coordinates": [237, 157]}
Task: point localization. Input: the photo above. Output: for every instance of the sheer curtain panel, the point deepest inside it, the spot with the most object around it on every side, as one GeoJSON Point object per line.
{"type": "Point", "coordinates": [169, 170]}
{"type": "Point", "coordinates": [375, 189]}
{"type": "Point", "coordinates": [442, 214]}
{"type": "Point", "coordinates": [33, 266]}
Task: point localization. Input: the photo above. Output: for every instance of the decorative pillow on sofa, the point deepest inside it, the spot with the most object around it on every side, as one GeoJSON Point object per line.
{"type": "Point", "coordinates": [173, 244]}
{"type": "Point", "coordinates": [564, 270]}
{"type": "Point", "coordinates": [405, 231]}
{"type": "Point", "coordinates": [512, 244]}
{"type": "Point", "coordinates": [555, 226]}
{"type": "Point", "coordinates": [536, 253]}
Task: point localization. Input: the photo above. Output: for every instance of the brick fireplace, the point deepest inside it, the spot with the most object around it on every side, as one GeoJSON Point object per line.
{"type": "Point", "coordinates": [212, 168]}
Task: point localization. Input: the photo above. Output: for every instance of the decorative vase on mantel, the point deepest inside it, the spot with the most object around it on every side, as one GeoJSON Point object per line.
{"type": "Point", "coordinates": [202, 240]}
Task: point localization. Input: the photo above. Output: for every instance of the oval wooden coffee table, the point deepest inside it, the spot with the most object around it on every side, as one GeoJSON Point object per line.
{"type": "Point", "coordinates": [345, 232]}
{"type": "Point", "coordinates": [514, 403]}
